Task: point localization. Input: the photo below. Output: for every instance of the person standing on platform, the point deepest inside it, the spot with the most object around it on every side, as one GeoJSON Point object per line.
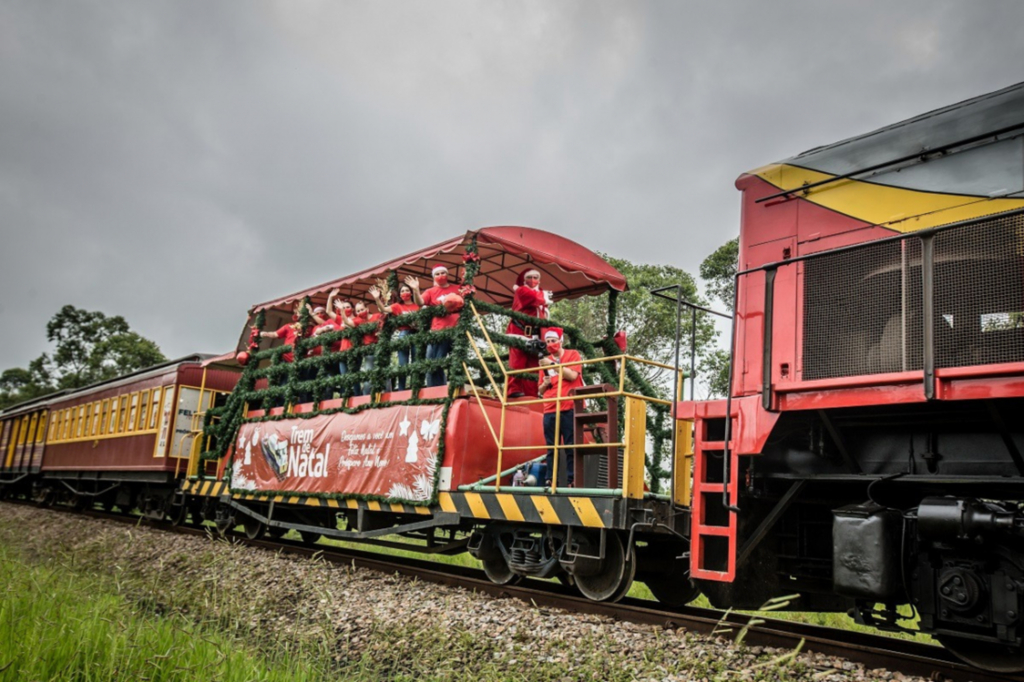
{"type": "Point", "coordinates": [363, 316]}
{"type": "Point", "coordinates": [408, 293]}
{"type": "Point", "coordinates": [290, 333]}
{"type": "Point", "coordinates": [559, 381]}
{"type": "Point", "coordinates": [325, 325]}
{"type": "Point", "coordinates": [436, 295]}
{"type": "Point", "coordinates": [528, 299]}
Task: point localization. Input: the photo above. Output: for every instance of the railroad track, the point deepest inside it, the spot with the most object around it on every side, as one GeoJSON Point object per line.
{"type": "Point", "coordinates": [873, 651]}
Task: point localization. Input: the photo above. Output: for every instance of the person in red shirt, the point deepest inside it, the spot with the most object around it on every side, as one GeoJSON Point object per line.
{"type": "Point", "coordinates": [290, 334]}
{"type": "Point", "coordinates": [555, 382]}
{"type": "Point", "coordinates": [363, 316]}
{"type": "Point", "coordinates": [408, 293]}
{"type": "Point", "coordinates": [436, 295]}
{"type": "Point", "coordinates": [529, 299]}
{"type": "Point", "coordinates": [325, 325]}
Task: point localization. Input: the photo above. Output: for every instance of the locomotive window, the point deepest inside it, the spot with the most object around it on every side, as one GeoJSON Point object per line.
{"type": "Point", "coordinates": [122, 413]}
{"type": "Point", "coordinates": [41, 429]}
{"type": "Point", "coordinates": [134, 412]}
{"type": "Point", "coordinates": [154, 409]}
{"type": "Point", "coordinates": [143, 410]}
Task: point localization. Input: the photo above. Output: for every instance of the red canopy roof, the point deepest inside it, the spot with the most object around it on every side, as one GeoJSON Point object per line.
{"type": "Point", "coordinates": [567, 269]}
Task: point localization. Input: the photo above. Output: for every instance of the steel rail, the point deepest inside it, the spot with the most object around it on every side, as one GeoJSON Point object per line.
{"type": "Point", "coordinates": [871, 650]}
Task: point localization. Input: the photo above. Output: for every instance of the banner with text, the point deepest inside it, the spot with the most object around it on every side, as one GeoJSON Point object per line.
{"type": "Point", "coordinates": [390, 452]}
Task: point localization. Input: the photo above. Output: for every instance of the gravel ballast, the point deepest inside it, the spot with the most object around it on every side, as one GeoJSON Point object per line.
{"type": "Point", "coordinates": [389, 626]}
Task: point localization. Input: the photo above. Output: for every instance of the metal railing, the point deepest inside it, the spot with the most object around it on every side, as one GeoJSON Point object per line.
{"type": "Point", "coordinates": [634, 434]}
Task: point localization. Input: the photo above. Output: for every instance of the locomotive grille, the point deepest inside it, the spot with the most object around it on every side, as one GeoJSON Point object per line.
{"type": "Point", "coordinates": [862, 308]}
{"type": "Point", "coordinates": [979, 294]}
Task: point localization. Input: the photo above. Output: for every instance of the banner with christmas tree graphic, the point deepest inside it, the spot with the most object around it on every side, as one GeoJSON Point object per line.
{"type": "Point", "coordinates": [390, 452]}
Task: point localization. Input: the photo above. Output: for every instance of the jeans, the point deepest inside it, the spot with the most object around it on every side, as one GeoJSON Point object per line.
{"type": "Point", "coordinates": [437, 351]}
{"type": "Point", "coordinates": [368, 364]}
{"type": "Point", "coordinates": [405, 356]}
{"type": "Point", "coordinates": [343, 370]}
{"type": "Point", "coordinates": [567, 434]}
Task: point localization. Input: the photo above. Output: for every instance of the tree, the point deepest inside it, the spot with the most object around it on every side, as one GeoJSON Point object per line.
{"type": "Point", "coordinates": [89, 347]}
{"type": "Point", "coordinates": [649, 321]}
{"type": "Point", "coordinates": [719, 271]}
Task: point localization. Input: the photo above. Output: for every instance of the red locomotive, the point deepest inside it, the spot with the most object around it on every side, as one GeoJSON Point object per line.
{"type": "Point", "coordinates": [872, 453]}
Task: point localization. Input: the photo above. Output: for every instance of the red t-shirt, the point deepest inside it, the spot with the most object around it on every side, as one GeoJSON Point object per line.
{"type": "Point", "coordinates": [401, 309]}
{"type": "Point", "coordinates": [371, 338]}
{"type": "Point", "coordinates": [568, 355]}
{"type": "Point", "coordinates": [345, 343]}
{"type": "Point", "coordinates": [436, 296]}
{"type": "Point", "coordinates": [325, 328]}
{"type": "Point", "coordinates": [290, 336]}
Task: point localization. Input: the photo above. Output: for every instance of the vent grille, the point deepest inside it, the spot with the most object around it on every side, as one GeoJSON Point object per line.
{"type": "Point", "coordinates": [862, 308]}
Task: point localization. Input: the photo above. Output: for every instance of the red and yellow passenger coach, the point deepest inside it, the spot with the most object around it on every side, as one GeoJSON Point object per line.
{"type": "Point", "coordinates": [123, 442]}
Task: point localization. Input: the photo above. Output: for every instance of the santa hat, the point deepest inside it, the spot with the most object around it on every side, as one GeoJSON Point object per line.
{"type": "Point", "coordinates": [438, 269]}
{"type": "Point", "coordinates": [553, 333]}
{"type": "Point", "coordinates": [521, 277]}
{"type": "Point", "coordinates": [319, 309]}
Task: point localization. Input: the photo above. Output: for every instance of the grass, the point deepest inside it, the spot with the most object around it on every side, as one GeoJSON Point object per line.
{"type": "Point", "coordinates": [57, 624]}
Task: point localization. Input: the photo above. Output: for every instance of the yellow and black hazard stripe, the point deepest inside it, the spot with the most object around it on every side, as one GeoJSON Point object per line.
{"type": "Point", "coordinates": [560, 510]}
{"type": "Point", "coordinates": [205, 488]}
{"type": "Point", "coordinates": [557, 510]}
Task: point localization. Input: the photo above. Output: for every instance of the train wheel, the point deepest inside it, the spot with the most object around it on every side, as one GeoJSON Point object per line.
{"type": "Point", "coordinates": [605, 579]}
{"type": "Point", "coordinates": [177, 515]}
{"type": "Point", "coordinates": [673, 590]}
{"type": "Point", "coordinates": [309, 537]}
{"type": "Point", "coordinates": [225, 520]}
{"type": "Point", "coordinates": [254, 530]}
{"type": "Point", "coordinates": [985, 655]}
{"type": "Point", "coordinates": [498, 572]}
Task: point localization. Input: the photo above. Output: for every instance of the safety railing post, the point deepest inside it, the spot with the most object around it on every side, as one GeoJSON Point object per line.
{"type": "Point", "coordinates": [635, 439]}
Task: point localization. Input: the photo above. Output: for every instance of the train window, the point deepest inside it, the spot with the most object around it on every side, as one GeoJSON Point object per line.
{"type": "Point", "coordinates": [41, 429]}
{"type": "Point", "coordinates": [133, 414]}
{"type": "Point", "coordinates": [104, 406]}
{"type": "Point", "coordinates": [154, 408]}
{"type": "Point", "coordinates": [88, 420]}
{"type": "Point", "coordinates": [122, 413]}
{"type": "Point", "coordinates": [143, 410]}
{"type": "Point", "coordinates": [5, 430]}
{"type": "Point", "coordinates": [112, 420]}
{"type": "Point", "coordinates": [94, 425]}
{"type": "Point", "coordinates": [54, 427]}
{"type": "Point", "coordinates": [80, 421]}
{"type": "Point", "coordinates": [23, 430]}
{"type": "Point", "coordinates": [69, 422]}
{"type": "Point", "coordinates": [14, 439]}
{"type": "Point", "coordinates": [30, 434]}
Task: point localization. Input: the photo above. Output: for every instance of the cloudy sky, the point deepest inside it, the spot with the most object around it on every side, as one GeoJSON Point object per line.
{"type": "Point", "coordinates": [176, 162]}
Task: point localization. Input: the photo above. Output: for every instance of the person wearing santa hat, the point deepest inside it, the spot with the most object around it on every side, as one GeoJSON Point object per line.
{"type": "Point", "coordinates": [554, 382]}
{"type": "Point", "coordinates": [436, 295]}
{"type": "Point", "coordinates": [527, 299]}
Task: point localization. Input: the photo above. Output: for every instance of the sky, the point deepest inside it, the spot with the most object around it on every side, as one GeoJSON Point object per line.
{"type": "Point", "coordinates": [177, 162]}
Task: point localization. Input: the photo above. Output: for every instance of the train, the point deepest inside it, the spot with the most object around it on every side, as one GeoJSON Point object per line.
{"type": "Point", "coordinates": [867, 457]}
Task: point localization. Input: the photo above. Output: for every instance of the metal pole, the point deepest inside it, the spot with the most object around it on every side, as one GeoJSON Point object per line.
{"type": "Point", "coordinates": [693, 350]}
{"type": "Point", "coordinates": [675, 394]}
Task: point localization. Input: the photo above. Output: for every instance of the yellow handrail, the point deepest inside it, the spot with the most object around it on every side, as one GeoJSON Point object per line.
{"type": "Point", "coordinates": [634, 441]}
